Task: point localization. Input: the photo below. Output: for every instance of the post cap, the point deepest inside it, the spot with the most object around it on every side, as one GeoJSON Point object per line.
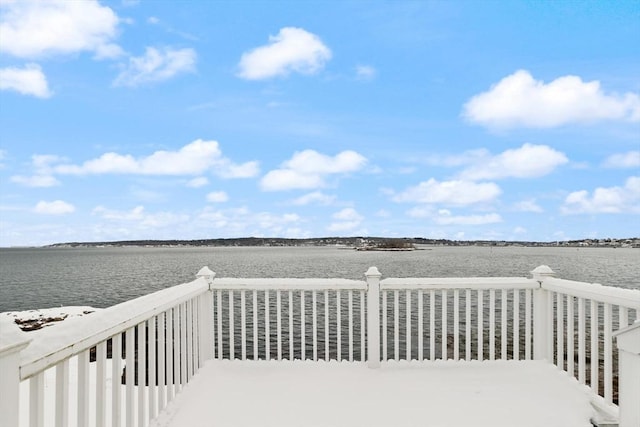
{"type": "Point", "coordinates": [206, 272]}
{"type": "Point", "coordinates": [543, 271]}
{"type": "Point", "coordinates": [373, 272]}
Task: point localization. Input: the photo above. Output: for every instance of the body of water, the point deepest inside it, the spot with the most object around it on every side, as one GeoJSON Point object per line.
{"type": "Point", "coordinates": [101, 277]}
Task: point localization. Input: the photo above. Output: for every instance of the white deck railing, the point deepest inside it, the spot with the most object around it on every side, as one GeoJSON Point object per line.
{"type": "Point", "coordinates": [166, 336]}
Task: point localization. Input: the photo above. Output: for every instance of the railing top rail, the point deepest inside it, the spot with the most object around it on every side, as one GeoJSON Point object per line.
{"type": "Point", "coordinates": [53, 345]}
{"type": "Point", "coordinates": [629, 298]}
{"type": "Point", "coordinates": [287, 284]}
{"type": "Point", "coordinates": [395, 283]}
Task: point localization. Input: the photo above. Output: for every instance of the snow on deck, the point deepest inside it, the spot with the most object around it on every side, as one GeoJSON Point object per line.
{"type": "Point", "coordinates": [399, 394]}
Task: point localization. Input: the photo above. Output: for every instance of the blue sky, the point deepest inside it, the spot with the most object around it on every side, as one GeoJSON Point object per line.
{"type": "Point", "coordinates": [504, 120]}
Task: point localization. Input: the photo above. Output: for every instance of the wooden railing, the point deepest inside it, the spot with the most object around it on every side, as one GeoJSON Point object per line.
{"type": "Point", "coordinates": [163, 338]}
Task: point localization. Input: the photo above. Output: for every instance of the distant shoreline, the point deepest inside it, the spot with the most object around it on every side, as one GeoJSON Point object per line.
{"type": "Point", "coordinates": [352, 242]}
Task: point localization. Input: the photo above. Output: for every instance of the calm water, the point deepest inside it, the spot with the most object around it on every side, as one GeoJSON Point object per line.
{"type": "Point", "coordinates": [100, 277]}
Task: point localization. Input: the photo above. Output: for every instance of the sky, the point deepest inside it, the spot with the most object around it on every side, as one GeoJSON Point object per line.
{"type": "Point", "coordinates": [462, 120]}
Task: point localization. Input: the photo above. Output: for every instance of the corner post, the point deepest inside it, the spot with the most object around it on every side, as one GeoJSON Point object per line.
{"type": "Point", "coordinates": [542, 311]}
{"type": "Point", "coordinates": [628, 342]}
{"type": "Point", "coordinates": [373, 317]}
{"type": "Point", "coordinates": [11, 344]}
{"type": "Point", "coordinates": [206, 317]}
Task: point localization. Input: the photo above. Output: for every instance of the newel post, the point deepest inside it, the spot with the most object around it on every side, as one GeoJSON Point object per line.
{"type": "Point", "coordinates": [11, 344]}
{"type": "Point", "coordinates": [542, 311]}
{"type": "Point", "coordinates": [373, 317]}
{"type": "Point", "coordinates": [628, 342]}
{"type": "Point", "coordinates": [206, 316]}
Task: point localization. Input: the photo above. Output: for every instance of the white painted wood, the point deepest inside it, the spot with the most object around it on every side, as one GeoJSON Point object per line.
{"type": "Point", "coordinates": [267, 332]}
{"type": "Point", "coordinates": [480, 325]}
{"type": "Point", "coordinates": [594, 357]}
{"type": "Point", "coordinates": [142, 390]}
{"type": "Point", "coordinates": [560, 330]}
{"type": "Point", "coordinates": [623, 317]}
{"type": "Point", "coordinates": [408, 325]}
{"type": "Point", "coordinates": [12, 343]}
{"type": "Point", "coordinates": [219, 325]}
{"type": "Point", "coordinates": [83, 389]}
{"type": "Point", "coordinates": [516, 324]}
{"type": "Point", "coordinates": [608, 354]}
{"type": "Point", "coordinates": [188, 316]}
{"type": "Point", "coordinates": [385, 326]}
{"type": "Point", "coordinates": [243, 324]}
{"type": "Point", "coordinates": [456, 324]}
{"type": "Point", "coordinates": [628, 342]}
{"type": "Point", "coordinates": [492, 324]}
{"type": "Point", "coordinates": [314, 320]}
{"type": "Point", "coordinates": [629, 298]}
{"type": "Point", "coordinates": [503, 325]}
{"type": "Point", "coordinates": [458, 283]}
{"type": "Point", "coordinates": [62, 394]}
{"type": "Point", "coordinates": [396, 325]}
{"type": "Point", "coordinates": [445, 332]}
{"type": "Point", "coordinates": [279, 324]}
{"type": "Point", "coordinates": [373, 319]}
{"type": "Point", "coordinates": [255, 325]}
{"type": "Point", "coordinates": [420, 324]}
{"type": "Point", "coordinates": [153, 387]}
{"type": "Point", "coordinates": [527, 323]}
{"type": "Point", "coordinates": [36, 400]}
{"type": "Point", "coordinates": [350, 314]}
{"type": "Point", "coordinates": [291, 338]}
{"type": "Point", "coordinates": [363, 327]}
{"type": "Point", "coordinates": [169, 352]}
{"type": "Point", "coordinates": [303, 332]}
{"type": "Point", "coordinates": [581, 342]}
{"type": "Point", "coordinates": [338, 327]}
{"type": "Point", "coordinates": [432, 325]}
{"type": "Point", "coordinates": [286, 284]}
{"type": "Point", "coordinates": [467, 321]}
{"type": "Point", "coordinates": [570, 336]}
{"type": "Point", "coordinates": [183, 345]}
{"type": "Point", "coordinates": [177, 346]}
{"type": "Point", "coordinates": [326, 325]}
{"type": "Point", "coordinates": [232, 327]}
{"type": "Point", "coordinates": [162, 364]}
{"type": "Point", "coordinates": [101, 384]}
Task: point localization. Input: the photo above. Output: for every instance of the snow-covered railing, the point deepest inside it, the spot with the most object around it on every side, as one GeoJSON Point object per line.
{"type": "Point", "coordinates": [166, 336]}
{"type": "Point", "coordinates": [158, 340]}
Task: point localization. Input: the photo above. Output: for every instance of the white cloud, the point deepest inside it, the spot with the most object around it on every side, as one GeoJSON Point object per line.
{"type": "Point", "coordinates": [198, 182]}
{"type": "Point", "coordinates": [623, 160]}
{"type": "Point", "coordinates": [42, 181]}
{"type": "Point", "coordinates": [365, 72]}
{"type": "Point", "coordinates": [528, 161]}
{"type": "Point", "coordinates": [308, 169]}
{"type": "Point", "coordinates": [449, 192]}
{"type": "Point", "coordinates": [241, 221]}
{"type": "Point", "coordinates": [29, 80]}
{"type": "Point", "coordinates": [156, 65]}
{"type": "Point", "coordinates": [346, 219]}
{"type": "Point", "coordinates": [519, 100]}
{"type": "Point", "coordinates": [605, 199]}
{"type": "Point", "coordinates": [141, 219]}
{"type": "Point", "coordinates": [347, 214]}
{"type": "Point", "coordinates": [529, 205]}
{"type": "Point", "coordinates": [315, 197]}
{"type": "Point", "coordinates": [192, 159]}
{"type": "Point", "coordinates": [57, 207]}
{"type": "Point", "coordinates": [519, 230]}
{"type": "Point", "coordinates": [134, 214]}
{"type": "Point", "coordinates": [444, 217]}
{"type": "Point", "coordinates": [34, 29]}
{"type": "Point", "coordinates": [217, 197]}
{"type": "Point", "coordinates": [292, 50]}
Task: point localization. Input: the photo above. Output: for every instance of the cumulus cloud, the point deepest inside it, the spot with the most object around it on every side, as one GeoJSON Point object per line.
{"type": "Point", "coordinates": [291, 50]}
{"type": "Point", "coordinates": [457, 192]}
{"type": "Point", "coordinates": [316, 197]}
{"type": "Point", "coordinates": [42, 181]}
{"type": "Point", "coordinates": [141, 218]}
{"type": "Point", "coordinates": [29, 80]}
{"type": "Point", "coordinates": [57, 207]}
{"type": "Point", "coordinates": [616, 199]}
{"type": "Point", "coordinates": [365, 73]}
{"type": "Point", "coordinates": [217, 197]}
{"type": "Point", "coordinates": [241, 221]}
{"type": "Point", "coordinates": [35, 29]}
{"type": "Point", "coordinates": [529, 205]}
{"type": "Point", "coordinates": [519, 100]}
{"type": "Point", "coordinates": [528, 161]}
{"type": "Point", "coordinates": [346, 219]}
{"type": "Point", "coordinates": [623, 160]}
{"type": "Point", "coordinates": [156, 65]}
{"type": "Point", "coordinates": [308, 169]}
{"type": "Point", "coordinates": [198, 182]}
{"type": "Point", "coordinates": [193, 159]}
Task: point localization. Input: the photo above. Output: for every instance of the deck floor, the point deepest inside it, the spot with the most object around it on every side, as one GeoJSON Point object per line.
{"type": "Point", "coordinates": [399, 394]}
